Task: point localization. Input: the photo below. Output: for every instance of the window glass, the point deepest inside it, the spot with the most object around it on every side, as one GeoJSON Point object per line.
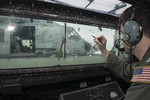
{"type": "Point", "coordinates": [27, 42]}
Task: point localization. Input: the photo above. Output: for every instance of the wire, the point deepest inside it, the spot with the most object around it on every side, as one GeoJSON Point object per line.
{"type": "Point", "coordinates": [117, 45]}
{"type": "Point", "coordinates": [130, 61]}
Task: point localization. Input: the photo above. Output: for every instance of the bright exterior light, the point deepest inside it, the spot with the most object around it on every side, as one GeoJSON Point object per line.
{"type": "Point", "coordinates": [11, 28]}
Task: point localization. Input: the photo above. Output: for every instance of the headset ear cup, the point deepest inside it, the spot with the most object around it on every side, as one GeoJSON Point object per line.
{"type": "Point", "coordinates": [133, 30]}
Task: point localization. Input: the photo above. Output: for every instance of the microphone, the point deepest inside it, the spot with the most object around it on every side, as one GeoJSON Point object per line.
{"type": "Point", "coordinates": [117, 45]}
{"type": "Point", "coordinates": [126, 37]}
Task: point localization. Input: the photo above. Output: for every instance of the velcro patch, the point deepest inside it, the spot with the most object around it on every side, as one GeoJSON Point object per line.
{"type": "Point", "coordinates": [141, 74]}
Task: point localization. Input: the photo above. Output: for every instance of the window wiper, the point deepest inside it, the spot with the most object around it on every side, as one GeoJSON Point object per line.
{"type": "Point", "coordinates": [62, 53]}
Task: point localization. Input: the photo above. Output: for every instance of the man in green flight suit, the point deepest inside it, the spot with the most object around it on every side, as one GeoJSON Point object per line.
{"type": "Point", "coordinates": [135, 25]}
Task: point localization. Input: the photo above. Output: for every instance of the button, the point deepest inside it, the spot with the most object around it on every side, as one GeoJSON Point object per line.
{"type": "Point", "coordinates": [88, 93]}
{"type": "Point", "coordinates": [94, 91]}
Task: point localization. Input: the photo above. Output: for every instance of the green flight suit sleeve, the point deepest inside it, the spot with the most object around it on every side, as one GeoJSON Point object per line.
{"type": "Point", "coordinates": [119, 67]}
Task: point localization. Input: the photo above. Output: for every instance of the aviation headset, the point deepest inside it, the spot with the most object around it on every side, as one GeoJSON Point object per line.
{"type": "Point", "coordinates": [132, 30]}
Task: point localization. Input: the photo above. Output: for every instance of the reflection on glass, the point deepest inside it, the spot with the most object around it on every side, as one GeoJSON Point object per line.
{"type": "Point", "coordinates": [37, 42]}
{"type": "Point", "coordinates": [1, 35]}
{"type": "Point", "coordinates": [45, 38]}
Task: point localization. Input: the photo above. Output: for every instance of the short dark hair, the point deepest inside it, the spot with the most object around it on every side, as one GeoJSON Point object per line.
{"type": "Point", "coordinates": [141, 15]}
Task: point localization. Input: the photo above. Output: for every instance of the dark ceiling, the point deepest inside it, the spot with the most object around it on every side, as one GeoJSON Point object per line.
{"type": "Point", "coordinates": [38, 9]}
{"type": "Point", "coordinates": [43, 10]}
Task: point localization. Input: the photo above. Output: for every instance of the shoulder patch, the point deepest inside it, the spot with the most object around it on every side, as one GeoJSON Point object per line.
{"type": "Point", "coordinates": [141, 74]}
